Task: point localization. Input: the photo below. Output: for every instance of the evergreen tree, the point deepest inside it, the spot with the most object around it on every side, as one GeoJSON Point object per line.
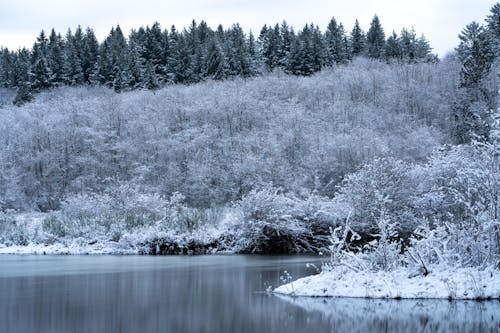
{"type": "Point", "coordinates": [423, 50]}
{"type": "Point", "coordinates": [40, 73]}
{"type": "Point", "coordinates": [337, 49]}
{"type": "Point", "coordinates": [239, 59]}
{"type": "Point", "coordinates": [476, 54]}
{"type": "Point", "coordinates": [73, 70]}
{"type": "Point", "coordinates": [254, 56]}
{"type": "Point", "coordinates": [269, 46]}
{"type": "Point", "coordinates": [154, 51]}
{"type": "Point", "coordinates": [392, 48]}
{"type": "Point", "coordinates": [150, 77]}
{"type": "Point", "coordinates": [173, 58]}
{"type": "Point", "coordinates": [90, 53]}
{"type": "Point", "coordinates": [136, 68]}
{"type": "Point", "coordinates": [407, 44]}
{"type": "Point", "coordinates": [375, 39]}
{"type": "Point", "coordinates": [21, 67]}
{"type": "Point", "coordinates": [24, 94]}
{"type": "Point", "coordinates": [55, 58]}
{"type": "Point", "coordinates": [6, 68]}
{"type": "Point", "coordinates": [317, 55]}
{"type": "Point", "coordinates": [358, 40]}
{"type": "Point", "coordinates": [285, 44]}
{"type": "Point", "coordinates": [214, 62]}
{"type": "Point", "coordinates": [493, 21]}
{"type": "Point", "coordinates": [474, 102]}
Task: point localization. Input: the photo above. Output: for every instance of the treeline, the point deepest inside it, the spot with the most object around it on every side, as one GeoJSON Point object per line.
{"type": "Point", "coordinates": [152, 57]}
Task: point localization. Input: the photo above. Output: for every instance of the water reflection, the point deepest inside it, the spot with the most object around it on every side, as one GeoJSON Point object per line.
{"type": "Point", "coordinates": [199, 294]}
{"type": "Point", "coordinates": [372, 315]}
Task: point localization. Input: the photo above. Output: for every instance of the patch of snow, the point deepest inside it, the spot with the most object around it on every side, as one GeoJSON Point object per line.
{"type": "Point", "coordinates": [460, 283]}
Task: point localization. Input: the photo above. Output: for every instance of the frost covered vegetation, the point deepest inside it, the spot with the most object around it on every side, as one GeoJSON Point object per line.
{"type": "Point", "coordinates": [382, 163]}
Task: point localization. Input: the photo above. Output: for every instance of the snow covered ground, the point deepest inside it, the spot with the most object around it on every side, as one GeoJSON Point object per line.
{"type": "Point", "coordinates": [460, 283]}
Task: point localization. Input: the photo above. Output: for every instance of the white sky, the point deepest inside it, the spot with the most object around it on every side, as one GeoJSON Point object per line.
{"type": "Point", "coordinates": [440, 20]}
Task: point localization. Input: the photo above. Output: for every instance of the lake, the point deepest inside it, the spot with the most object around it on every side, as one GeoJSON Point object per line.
{"type": "Point", "coordinates": [203, 294]}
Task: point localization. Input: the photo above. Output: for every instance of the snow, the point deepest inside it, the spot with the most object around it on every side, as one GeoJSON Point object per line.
{"type": "Point", "coordinates": [459, 283]}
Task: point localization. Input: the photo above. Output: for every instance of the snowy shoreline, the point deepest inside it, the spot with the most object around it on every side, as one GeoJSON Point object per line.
{"type": "Point", "coordinates": [459, 284]}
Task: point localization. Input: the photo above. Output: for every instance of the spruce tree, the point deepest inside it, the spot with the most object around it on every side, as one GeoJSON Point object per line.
{"type": "Point", "coordinates": [407, 44]}
{"type": "Point", "coordinates": [476, 54]}
{"type": "Point", "coordinates": [493, 25]}
{"type": "Point", "coordinates": [73, 70]}
{"type": "Point", "coordinates": [6, 68]}
{"type": "Point", "coordinates": [474, 101]}
{"type": "Point", "coordinates": [357, 40]}
{"type": "Point", "coordinates": [55, 58]}
{"type": "Point", "coordinates": [336, 47]}
{"type": "Point", "coordinates": [40, 73]}
{"type": "Point", "coordinates": [375, 39]}
{"type": "Point", "coordinates": [214, 62]}
{"type": "Point", "coordinates": [90, 53]}
{"type": "Point", "coordinates": [392, 48]}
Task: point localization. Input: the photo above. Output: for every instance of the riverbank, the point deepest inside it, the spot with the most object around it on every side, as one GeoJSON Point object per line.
{"type": "Point", "coordinates": [440, 283]}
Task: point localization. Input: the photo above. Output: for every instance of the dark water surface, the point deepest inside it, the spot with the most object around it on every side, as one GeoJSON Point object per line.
{"type": "Point", "coordinates": [202, 294]}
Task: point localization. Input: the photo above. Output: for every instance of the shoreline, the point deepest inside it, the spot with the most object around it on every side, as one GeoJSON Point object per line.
{"type": "Point", "coordinates": [441, 283]}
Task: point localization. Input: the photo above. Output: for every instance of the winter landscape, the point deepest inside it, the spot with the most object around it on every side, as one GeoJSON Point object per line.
{"type": "Point", "coordinates": [367, 164]}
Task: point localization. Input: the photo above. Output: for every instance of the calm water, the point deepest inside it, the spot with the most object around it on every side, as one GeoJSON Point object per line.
{"type": "Point", "coordinates": [202, 294]}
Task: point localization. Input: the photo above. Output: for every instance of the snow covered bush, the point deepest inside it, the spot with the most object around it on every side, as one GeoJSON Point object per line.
{"type": "Point", "coordinates": [278, 222]}
{"type": "Point", "coordinates": [12, 232]}
{"type": "Point", "coordinates": [383, 185]}
{"type": "Point", "coordinates": [108, 215]}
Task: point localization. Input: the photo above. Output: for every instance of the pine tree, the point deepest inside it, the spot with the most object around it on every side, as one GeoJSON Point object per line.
{"type": "Point", "coordinates": [269, 45]}
{"type": "Point", "coordinates": [214, 62]}
{"type": "Point", "coordinates": [392, 48]}
{"type": "Point", "coordinates": [336, 45]}
{"type": "Point", "coordinates": [423, 50]}
{"type": "Point", "coordinates": [255, 63]}
{"type": "Point", "coordinates": [474, 101]}
{"type": "Point", "coordinates": [239, 59]}
{"type": "Point", "coordinates": [358, 40]}
{"type": "Point", "coordinates": [136, 68]}
{"type": "Point", "coordinates": [318, 50]}
{"type": "Point", "coordinates": [407, 43]}
{"type": "Point", "coordinates": [24, 94]}
{"type": "Point", "coordinates": [55, 58]}
{"type": "Point", "coordinates": [375, 39]}
{"type": "Point", "coordinates": [173, 58]}
{"type": "Point", "coordinates": [476, 54]}
{"type": "Point", "coordinates": [150, 77]}
{"type": "Point", "coordinates": [21, 66]}
{"type": "Point", "coordinates": [493, 21]}
{"type": "Point", "coordinates": [6, 68]}
{"type": "Point", "coordinates": [90, 53]}
{"type": "Point", "coordinates": [40, 73]}
{"type": "Point", "coordinates": [154, 51]}
{"type": "Point", "coordinates": [285, 44]}
{"type": "Point", "coordinates": [73, 71]}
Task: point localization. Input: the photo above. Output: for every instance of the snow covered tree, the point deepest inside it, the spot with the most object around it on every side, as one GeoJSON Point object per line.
{"type": "Point", "coordinates": [215, 66]}
{"type": "Point", "coordinates": [73, 70]}
{"type": "Point", "coordinates": [357, 40]}
{"type": "Point", "coordinates": [90, 52]}
{"type": "Point", "coordinates": [55, 58]}
{"type": "Point", "coordinates": [335, 40]}
{"type": "Point", "coordinates": [375, 39]}
{"type": "Point", "coordinates": [474, 101]}
{"type": "Point", "coordinates": [493, 25]}
{"type": "Point", "coordinates": [40, 74]}
{"type": "Point", "coordinates": [392, 47]}
{"type": "Point", "coordinates": [269, 46]}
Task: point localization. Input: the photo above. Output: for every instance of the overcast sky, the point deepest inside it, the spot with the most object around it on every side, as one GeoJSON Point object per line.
{"type": "Point", "coordinates": [439, 20]}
